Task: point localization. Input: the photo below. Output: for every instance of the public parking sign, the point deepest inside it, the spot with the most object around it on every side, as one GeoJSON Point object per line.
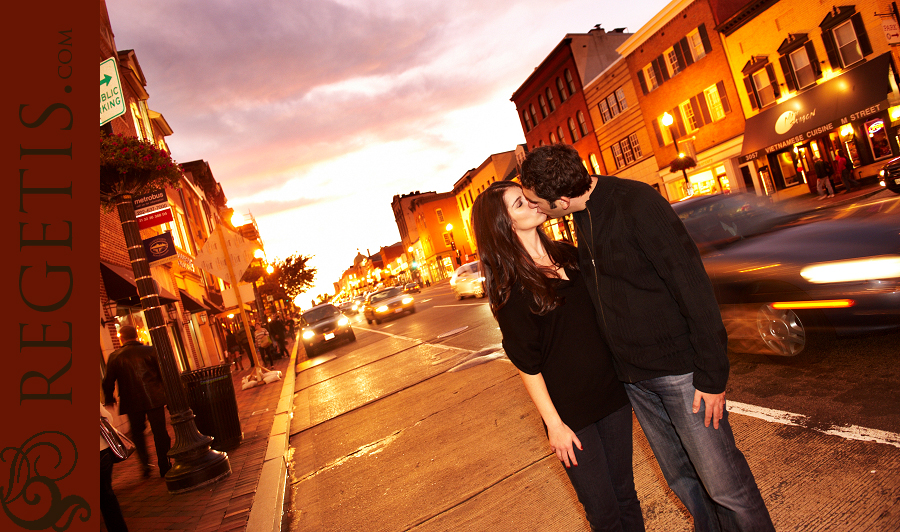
{"type": "Point", "coordinates": [112, 102]}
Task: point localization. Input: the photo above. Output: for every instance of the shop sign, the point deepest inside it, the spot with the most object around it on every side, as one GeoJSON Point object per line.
{"type": "Point", "coordinates": [152, 209]}
{"type": "Point", "coordinates": [186, 262]}
{"type": "Point", "coordinates": [891, 30]}
{"type": "Point", "coordinates": [160, 249]}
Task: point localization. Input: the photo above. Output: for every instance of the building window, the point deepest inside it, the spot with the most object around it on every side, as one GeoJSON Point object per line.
{"type": "Point", "coordinates": [613, 105]}
{"type": "Point", "coordinates": [550, 99]}
{"type": "Point", "coordinates": [847, 44]}
{"type": "Point", "coordinates": [687, 114]}
{"type": "Point", "coordinates": [604, 111]}
{"type": "Point", "coordinates": [672, 62]}
{"type": "Point", "coordinates": [562, 137]}
{"type": "Point", "coordinates": [572, 130]}
{"type": "Point", "coordinates": [440, 215]}
{"type": "Point", "coordinates": [561, 89]}
{"type": "Point", "coordinates": [582, 123]}
{"type": "Point", "coordinates": [664, 131]}
{"type": "Point", "coordinates": [620, 99]}
{"type": "Point", "coordinates": [650, 76]}
{"type": "Point", "coordinates": [527, 121]}
{"type": "Point", "coordinates": [764, 87]}
{"type": "Point", "coordinates": [138, 123]}
{"type": "Point", "coordinates": [714, 102]}
{"type": "Point", "coordinates": [447, 239]}
{"type": "Point", "coordinates": [803, 69]}
{"type": "Point", "coordinates": [617, 155]}
{"type": "Point", "coordinates": [534, 119]}
{"type": "Point", "coordinates": [635, 146]}
{"type": "Point", "coordinates": [595, 164]}
{"type": "Point", "coordinates": [695, 43]}
{"type": "Point", "coordinates": [543, 104]}
{"type": "Point", "coordinates": [570, 83]}
{"type": "Point", "coordinates": [552, 138]}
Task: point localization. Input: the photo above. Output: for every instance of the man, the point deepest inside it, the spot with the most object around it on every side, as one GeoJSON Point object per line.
{"type": "Point", "coordinates": [823, 171]}
{"type": "Point", "coordinates": [842, 171]}
{"type": "Point", "coordinates": [276, 327]}
{"type": "Point", "coordinates": [656, 306]}
{"type": "Point", "coordinates": [135, 368]}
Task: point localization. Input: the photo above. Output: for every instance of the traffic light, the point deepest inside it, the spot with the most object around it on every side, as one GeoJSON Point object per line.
{"type": "Point", "coordinates": [415, 265]}
{"type": "Point", "coordinates": [453, 245]}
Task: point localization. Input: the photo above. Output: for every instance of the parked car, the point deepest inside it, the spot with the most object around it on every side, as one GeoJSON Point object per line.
{"type": "Point", "coordinates": [323, 325]}
{"type": "Point", "coordinates": [889, 175]}
{"type": "Point", "coordinates": [413, 287]}
{"type": "Point", "coordinates": [387, 303]}
{"type": "Point", "coordinates": [791, 280]}
{"type": "Point", "coordinates": [468, 280]}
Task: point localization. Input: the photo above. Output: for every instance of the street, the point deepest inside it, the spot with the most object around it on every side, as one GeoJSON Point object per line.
{"type": "Point", "coordinates": [423, 424]}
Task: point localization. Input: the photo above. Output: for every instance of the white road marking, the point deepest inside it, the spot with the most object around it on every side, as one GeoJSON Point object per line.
{"type": "Point", "coordinates": [460, 305]}
{"type": "Point", "coordinates": [851, 432]}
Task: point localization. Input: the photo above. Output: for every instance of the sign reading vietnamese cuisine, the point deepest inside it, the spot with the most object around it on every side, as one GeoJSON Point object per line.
{"type": "Point", "coordinates": [152, 209]}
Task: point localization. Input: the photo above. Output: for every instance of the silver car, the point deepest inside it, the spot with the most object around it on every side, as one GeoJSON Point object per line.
{"type": "Point", "coordinates": [468, 280]}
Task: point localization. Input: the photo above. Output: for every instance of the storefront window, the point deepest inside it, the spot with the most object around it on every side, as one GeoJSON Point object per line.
{"type": "Point", "coordinates": [788, 169]}
{"type": "Point", "coordinates": [878, 139]}
{"type": "Point", "coordinates": [703, 183]}
{"type": "Point", "coordinates": [722, 177]}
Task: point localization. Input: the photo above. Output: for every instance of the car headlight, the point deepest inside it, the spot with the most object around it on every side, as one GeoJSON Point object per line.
{"type": "Point", "coordinates": [881, 173]}
{"type": "Point", "coordinates": [382, 308]}
{"type": "Point", "coordinates": [407, 300]}
{"type": "Point", "coordinates": [343, 321]}
{"type": "Point", "coordinates": [867, 269]}
{"type": "Point", "coordinates": [308, 334]}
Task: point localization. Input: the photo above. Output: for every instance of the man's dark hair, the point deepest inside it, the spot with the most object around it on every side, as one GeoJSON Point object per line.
{"type": "Point", "coordinates": [555, 171]}
{"type": "Point", "coordinates": [128, 332]}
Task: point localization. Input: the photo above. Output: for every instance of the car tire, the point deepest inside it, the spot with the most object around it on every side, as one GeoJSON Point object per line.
{"type": "Point", "coordinates": [480, 293]}
{"type": "Point", "coordinates": [412, 310]}
{"type": "Point", "coordinates": [351, 336]}
{"type": "Point", "coordinates": [368, 321]}
{"type": "Point", "coordinates": [377, 321]}
{"type": "Point", "coordinates": [310, 351]}
{"type": "Point", "coordinates": [458, 295]}
{"type": "Point", "coordinates": [792, 335]}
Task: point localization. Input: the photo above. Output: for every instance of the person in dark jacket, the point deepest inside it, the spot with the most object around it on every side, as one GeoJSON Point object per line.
{"type": "Point", "coordinates": [538, 297]}
{"type": "Point", "coordinates": [823, 173]}
{"type": "Point", "coordinates": [135, 368]}
{"type": "Point", "coordinates": [276, 328]}
{"type": "Point", "coordinates": [657, 309]}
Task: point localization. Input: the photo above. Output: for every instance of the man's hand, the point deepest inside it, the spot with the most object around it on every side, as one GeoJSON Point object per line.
{"type": "Point", "coordinates": [715, 406]}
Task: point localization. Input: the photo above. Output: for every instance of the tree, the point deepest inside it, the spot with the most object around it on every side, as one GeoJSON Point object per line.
{"type": "Point", "coordinates": [293, 274]}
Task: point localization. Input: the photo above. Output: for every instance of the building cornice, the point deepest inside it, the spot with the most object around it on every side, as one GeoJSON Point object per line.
{"type": "Point", "coordinates": [655, 24]}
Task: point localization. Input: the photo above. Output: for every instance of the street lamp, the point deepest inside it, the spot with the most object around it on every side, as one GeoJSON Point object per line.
{"type": "Point", "coordinates": [453, 244]}
{"type": "Point", "coordinates": [668, 120]}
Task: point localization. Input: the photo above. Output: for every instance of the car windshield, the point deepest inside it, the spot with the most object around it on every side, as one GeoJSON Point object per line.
{"type": "Point", "coordinates": [718, 220]}
{"type": "Point", "coordinates": [386, 294]}
{"type": "Point", "coordinates": [320, 313]}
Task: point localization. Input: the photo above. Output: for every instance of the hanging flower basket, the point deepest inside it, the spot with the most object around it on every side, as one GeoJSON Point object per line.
{"type": "Point", "coordinates": [129, 165]}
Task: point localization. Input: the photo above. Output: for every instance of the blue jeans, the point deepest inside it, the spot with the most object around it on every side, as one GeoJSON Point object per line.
{"type": "Point", "coordinates": [702, 465]}
{"type": "Point", "coordinates": [603, 478]}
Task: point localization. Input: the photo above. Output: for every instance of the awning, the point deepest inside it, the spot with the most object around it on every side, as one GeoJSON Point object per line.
{"type": "Point", "coordinates": [120, 285]}
{"type": "Point", "coordinates": [854, 94]}
{"type": "Point", "coordinates": [215, 309]}
{"type": "Point", "coordinates": [191, 303]}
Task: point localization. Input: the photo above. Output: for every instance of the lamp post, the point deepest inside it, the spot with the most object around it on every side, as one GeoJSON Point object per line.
{"type": "Point", "coordinates": [668, 120]}
{"type": "Point", "coordinates": [453, 244]}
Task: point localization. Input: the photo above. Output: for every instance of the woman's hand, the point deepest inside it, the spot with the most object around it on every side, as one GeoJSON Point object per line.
{"type": "Point", "coordinates": [563, 441]}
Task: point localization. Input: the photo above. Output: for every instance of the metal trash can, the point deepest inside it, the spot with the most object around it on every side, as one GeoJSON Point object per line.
{"type": "Point", "coordinates": [210, 393]}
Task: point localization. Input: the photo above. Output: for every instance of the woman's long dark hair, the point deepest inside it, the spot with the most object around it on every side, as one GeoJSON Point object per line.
{"type": "Point", "coordinates": [505, 260]}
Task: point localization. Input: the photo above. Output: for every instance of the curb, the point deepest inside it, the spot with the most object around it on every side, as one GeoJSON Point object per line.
{"type": "Point", "coordinates": [268, 503]}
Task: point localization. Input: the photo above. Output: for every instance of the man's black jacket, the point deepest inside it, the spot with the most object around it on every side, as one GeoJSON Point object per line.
{"type": "Point", "coordinates": [136, 368]}
{"type": "Point", "coordinates": [654, 300]}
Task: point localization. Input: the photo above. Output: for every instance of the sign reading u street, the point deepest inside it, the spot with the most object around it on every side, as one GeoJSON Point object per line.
{"type": "Point", "coordinates": [112, 104]}
{"type": "Point", "coordinates": [152, 209]}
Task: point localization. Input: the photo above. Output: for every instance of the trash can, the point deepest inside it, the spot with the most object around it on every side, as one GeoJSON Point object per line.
{"type": "Point", "coordinates": [211, 396]}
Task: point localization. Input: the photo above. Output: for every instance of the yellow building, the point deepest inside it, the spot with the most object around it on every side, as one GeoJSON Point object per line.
{"type": "Point", "coordinates": [498, 166]}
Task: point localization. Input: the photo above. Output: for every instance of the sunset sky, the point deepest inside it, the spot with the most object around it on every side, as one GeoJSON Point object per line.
{"type": "Point", "coordinates": [314, 114]}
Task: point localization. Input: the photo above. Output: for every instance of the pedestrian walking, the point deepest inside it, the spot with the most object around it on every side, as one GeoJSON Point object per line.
{"type": "Point", "coordinates": [244, 343]}
{"type": "Point", "coordinates": [658, 313]}
{"type": "Point", "coordinates": [263, 344]}
{"type": "Point", "coordinates": [231, 346]}
{"type": "Point", "coordinates": [109, 503]}
{"type": "Point", "coordinates": [276, 328]}
{"type": "Point", "coordinates": [823, 171]}
{"type": "Point", "coordinates": [842, 170]}
{"type": "Point", "coordinates": [545, 314]}
{"type": "Point", "coordinates": [135, 368]}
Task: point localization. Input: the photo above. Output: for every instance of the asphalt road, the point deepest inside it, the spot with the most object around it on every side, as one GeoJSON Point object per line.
{"type": "Point", "coordinates": [422, 425]}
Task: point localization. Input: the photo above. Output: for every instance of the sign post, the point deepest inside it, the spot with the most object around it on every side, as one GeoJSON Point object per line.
{"type": "Point", "coordinates": [112, 104]}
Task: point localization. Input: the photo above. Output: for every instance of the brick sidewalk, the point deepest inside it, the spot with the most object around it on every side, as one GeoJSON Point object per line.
{"type": "Point", "coordinates": [222, 506]}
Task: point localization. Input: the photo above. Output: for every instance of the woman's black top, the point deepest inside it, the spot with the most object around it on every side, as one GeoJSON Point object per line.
{"type": "Point", "coordinates": [566, 347]}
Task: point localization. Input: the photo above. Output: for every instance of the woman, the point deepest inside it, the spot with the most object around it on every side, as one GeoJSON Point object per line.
{"type": "Point", "coordinates": [540, 301]}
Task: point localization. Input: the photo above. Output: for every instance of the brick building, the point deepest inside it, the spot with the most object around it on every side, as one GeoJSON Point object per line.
{"type": "Point", "coordinates": [443, 249]}
{"type": "Point", "coordinates": [681, 69]}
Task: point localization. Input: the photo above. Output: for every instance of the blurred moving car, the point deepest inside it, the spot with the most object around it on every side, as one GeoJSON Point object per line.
{"type": "Point", "coordinates": [413, 287]}
{"type": "Point", "coordinates": [889, 176]}
{"type": "Point", "coordinates": [468, 280]}
{"type": "Point", "coordinates": [386, 303]}
{"type": "Point", "coordinates": [346, 306]}
{"type": "Point", "coordinates": [787, 281]}
{"type": "Point", "coordinates": [323, 325]}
